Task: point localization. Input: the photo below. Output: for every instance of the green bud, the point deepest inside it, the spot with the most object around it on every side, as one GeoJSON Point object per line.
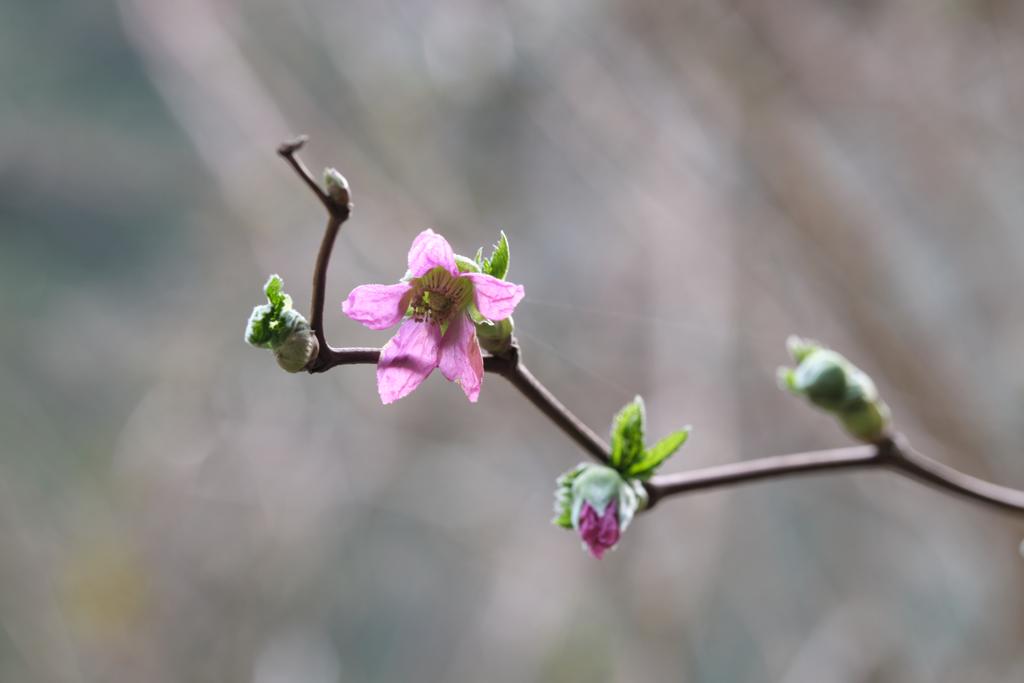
{"type": "Point", "coordinates": [833, 383]}
{"type": "Point", "coordinates": [299, 349]}
{"type": "Point", "coordinates": [868, 422]}
{"type": "Point", "coordinates": [600, 486]}
{"type": "Point", "coordinates": [277, 326]}
{"type": "Point", "coordinates": [337, 186]}
{"type": "Point", "coordinates": [799, 348]}
{"type": "Point", "coordinates": [495, 337]}
{"type": "Point", "coordinates": [270, 323]}
{"type": "Point", "coordinates": [821, 376]}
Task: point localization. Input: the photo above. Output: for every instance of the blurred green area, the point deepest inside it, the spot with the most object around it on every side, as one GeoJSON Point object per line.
{"type": "Point", "coordinates": [683, 185]}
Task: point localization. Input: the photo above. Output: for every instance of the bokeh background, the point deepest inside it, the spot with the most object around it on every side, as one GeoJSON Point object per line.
{"type": "Point", "coordinates": [683, 184]}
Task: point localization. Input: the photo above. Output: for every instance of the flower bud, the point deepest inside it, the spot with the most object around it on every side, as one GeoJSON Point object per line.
{"type": "Point", "coordinates": [821, 376]}
{"type": "Point", "coordinates": [833, 383]}
{"type": "Point", "coordinates": [337, 186]}
{"type": "Point", "coordinates": [299, 348]}
{"type": "Point", "coordinates": [599, 504]}
{"type": "Point", "coordinates": [868, 421]}
{"type": "Point", "coordinates": [495, 337]}
{"type": "Point", "coordinates": [277, 326]}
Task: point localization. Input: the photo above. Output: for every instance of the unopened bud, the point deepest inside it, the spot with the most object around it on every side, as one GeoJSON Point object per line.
{"type": "Point", "coordinates": [495, 337]}
{"type": "Point", "coordinates": [337, 186]}
{"type": "Point", "coordinates": [868, 421]}
{"type": "Point", "coordinates": [833, 383]}
{"type": "Point", "coordinates": [277, 326]}
{"type": "Point", "coordinates": [598, 503]}
{"type": "Point", "coordinates": [299, 349]}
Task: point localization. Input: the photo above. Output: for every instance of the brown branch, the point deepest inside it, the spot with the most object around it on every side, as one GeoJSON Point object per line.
{"type": "Point", "coordinates": [908, 461]}
{"type": "Point", "coordinates": [287, 150]}
{"type": "Point", "coordinates": [507, 364]}
{"type": "Point", "coordinates": [337, 213]}
{"type": "Point", "coordinates": [894, 454]}
{"type": "Point", "coordinates": [856, 457]}
{"type": "Point", "coordinates": [512, 369]}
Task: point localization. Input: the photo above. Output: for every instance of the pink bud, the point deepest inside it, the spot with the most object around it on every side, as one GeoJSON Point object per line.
{"type": "Point", "coordinates": [599, 533]}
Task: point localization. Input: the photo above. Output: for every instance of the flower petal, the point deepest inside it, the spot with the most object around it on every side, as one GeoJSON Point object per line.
{"type": "Point", "coordinates": [377, 306]}
{"type": "Point", "coordinates": [461, 361]}
{"type": "Point", "coordinates": [494, 298]}
{"type": "Point", "coordinates": [407, 359]}
{"type": "Point", "coordinates": [598, 532]}
{"type": "Point", "coordinates": [430, 250]}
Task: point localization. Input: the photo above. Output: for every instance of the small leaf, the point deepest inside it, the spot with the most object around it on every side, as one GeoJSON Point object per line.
{"type": "Point", "coordinates": [272, 322]}
{"type": "Point", "coordinates": [628, 435]}
{"type": "Point", "coordinates": [479, 258]}
{"type": "Point", "coordinates": [497, 264]}
{"type": "Point", "coordinates": [659, 453]}
{"type": "Point", "coordinates": [275, 296]}
{"type": "Point", "coordinates": [257, 331]}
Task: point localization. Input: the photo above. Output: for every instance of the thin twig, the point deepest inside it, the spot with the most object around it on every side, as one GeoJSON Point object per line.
{"type": "Point", "coordinates": [894, 454]}
{"type": "Point", "coordinates": [529, 386]}
{"type": "Point", "coordinates": [509, 366]}
{"type": "Point", "coordinates": [337, 213]}
{"type": "Point", "coordinates": [287, 150]}
{"type": "Point", "coordinates": [908, 461]}
{"type": "Point", "coordinates": [770, 467]}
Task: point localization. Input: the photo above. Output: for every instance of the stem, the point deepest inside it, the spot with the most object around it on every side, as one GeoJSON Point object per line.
{"type": "Point", "coordinates": [287, 150]}
{"type": "Point", "coordinates": [893, 453]}
{"type": "Point", "coordinates": [509, 366]}
{"type": "Point", "coordinates": [337, 213]}
{"type": "Point", "coordinates": [909, 462]}
{"type": "Point", "coordinates": [529, 386]}
{"type": "Point", "coordinates": [856, 457]}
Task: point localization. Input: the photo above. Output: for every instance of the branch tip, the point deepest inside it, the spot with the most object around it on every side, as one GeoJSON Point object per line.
{"type": "Point", "coordinates": [290, 147]}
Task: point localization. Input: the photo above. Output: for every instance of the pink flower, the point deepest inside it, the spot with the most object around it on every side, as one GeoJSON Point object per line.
{"type": "Point", "coordinates": [432, 303]}
{"type": "Point", "coordinates": [599, 532]}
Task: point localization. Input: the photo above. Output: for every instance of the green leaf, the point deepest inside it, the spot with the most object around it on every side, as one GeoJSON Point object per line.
{"type": "Point", "coordinates": [279, 301]}
{"type": "Point", "coordinates": [657, 454]}
{"type": "Point", "coordinates": [628, 435]}
{"type": "Point", "coordinates": [497, 264]}
{"type": "Point", "coordinates": [272, 322]}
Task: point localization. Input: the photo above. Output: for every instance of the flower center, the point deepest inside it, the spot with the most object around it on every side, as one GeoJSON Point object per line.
{"type": "Point", "coordinates": [438, 297]}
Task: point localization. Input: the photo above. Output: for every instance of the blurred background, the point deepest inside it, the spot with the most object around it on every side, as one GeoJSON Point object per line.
{"type": "Point", "coordinates": [683, 185]}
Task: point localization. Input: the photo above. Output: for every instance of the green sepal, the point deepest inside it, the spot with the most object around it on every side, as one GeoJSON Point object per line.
{"type": "Point", "coordinates": [495, 337]}
{"type": "Point", "coordinates": [653, 457]}
{"type": "Point", "coordinates": [563, 496]}
{"type": "Point", "coordinates": [497, 264]}
{"type": "Point", "coordinates": [628, 435]}
{"type": "Point", "coordinates": [868, 421]}
{"type": "Point", "coordinates": [466, 264]}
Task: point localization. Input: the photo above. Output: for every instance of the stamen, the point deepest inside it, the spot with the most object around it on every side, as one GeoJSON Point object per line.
{"type": "Point", "coordinates": [437, 296]}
